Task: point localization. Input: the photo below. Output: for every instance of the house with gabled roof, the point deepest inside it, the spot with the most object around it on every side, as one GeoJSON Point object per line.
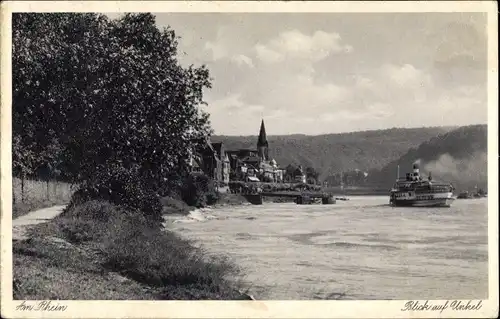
{"type": "Point", "coordinates": [210, 158]}
{"type": "Point", "coordinates": [224, 162]}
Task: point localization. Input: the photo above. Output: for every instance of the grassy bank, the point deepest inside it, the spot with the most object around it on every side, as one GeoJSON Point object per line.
{"type": "Point", "coordinates": [110, 252]}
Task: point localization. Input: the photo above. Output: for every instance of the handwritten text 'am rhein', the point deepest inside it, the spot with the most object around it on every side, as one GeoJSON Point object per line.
{"type": "Point", "coordinates": [45, 305]}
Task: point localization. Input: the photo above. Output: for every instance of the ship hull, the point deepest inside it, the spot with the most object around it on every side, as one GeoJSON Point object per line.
{"type": "Point", "coordinates": [410, 199]}
{"type": "Point", "coordinates": [413, 191]}
{"type": "Point", "coordinates": [438, 202]}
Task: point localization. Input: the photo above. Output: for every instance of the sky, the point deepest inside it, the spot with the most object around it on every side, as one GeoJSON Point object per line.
{"type": "Point", "coordinates": [320, 73]}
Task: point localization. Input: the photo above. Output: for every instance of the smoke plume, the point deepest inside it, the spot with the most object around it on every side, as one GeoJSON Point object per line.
{"type": "Point", "coordinates": [465, 173]}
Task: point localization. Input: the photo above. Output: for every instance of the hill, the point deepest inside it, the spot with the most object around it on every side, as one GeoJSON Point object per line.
{"type": "Point", "coordinates": [458, 156]}
{"type": "Point", "coordinates": [330, 153]}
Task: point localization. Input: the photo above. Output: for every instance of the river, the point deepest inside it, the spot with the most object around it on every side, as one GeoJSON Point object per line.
{"type": "Point", "coordinates": [361, 248]}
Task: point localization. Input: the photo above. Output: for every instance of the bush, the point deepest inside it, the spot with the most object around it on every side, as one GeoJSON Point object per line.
{"type": "Point", "coordinates": [132, 195]}
{"type": "Point", "coordinates": [173, 205]}
{"type": "Point", "coordinates": [94, 219]}
{"type": "Point", "coordinates": [199, 191]}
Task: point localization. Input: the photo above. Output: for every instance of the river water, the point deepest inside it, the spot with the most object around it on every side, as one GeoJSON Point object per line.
{"type": "Point", "coordinates": [362, 248]}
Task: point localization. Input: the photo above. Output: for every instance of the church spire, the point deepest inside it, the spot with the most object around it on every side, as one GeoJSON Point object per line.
{"type": "Point", "coordinates": [262, 145]}
{"type": "Point", "coordinates": [262, 135]}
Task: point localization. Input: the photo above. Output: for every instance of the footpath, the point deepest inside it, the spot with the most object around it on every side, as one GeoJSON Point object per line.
{"type": "Point", "coordinates": [21, 224]}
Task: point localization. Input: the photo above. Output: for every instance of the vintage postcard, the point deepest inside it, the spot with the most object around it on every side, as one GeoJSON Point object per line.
{"type": "Point", "coordinates": [249, 159]}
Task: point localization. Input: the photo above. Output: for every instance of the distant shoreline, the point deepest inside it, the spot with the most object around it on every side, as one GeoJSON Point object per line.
{"type": "Point", "coordinates": [357, 191]}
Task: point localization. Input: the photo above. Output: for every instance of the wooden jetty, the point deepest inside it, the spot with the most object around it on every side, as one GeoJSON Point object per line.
{"type": "Point", "coordinates": [301, 198]}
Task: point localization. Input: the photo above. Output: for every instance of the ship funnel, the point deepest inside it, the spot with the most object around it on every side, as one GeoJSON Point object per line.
{"type": "Point", "coordinates": [430, 176]}
{"type": "Point", "coordinates": [415, 168]}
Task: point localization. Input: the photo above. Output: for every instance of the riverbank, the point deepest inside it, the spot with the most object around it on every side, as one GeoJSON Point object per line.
{"type": "Point", "coordinates": [112, 253]}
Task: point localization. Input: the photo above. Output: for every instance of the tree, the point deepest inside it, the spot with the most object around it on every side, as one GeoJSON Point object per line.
{"type": "Point", "coordinates": [112, 93]}
{"type": "Point", "coordinates": [290, 172]}
{"type": "Point", "coordinates": [312, 175]}
{"type": "Point", "coordinates": [38, 49]}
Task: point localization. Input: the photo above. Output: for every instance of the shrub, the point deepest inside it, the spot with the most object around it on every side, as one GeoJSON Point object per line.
{"type": "Point", "coordinates": [199, 191]}
{"type": "Point", "coordinates": [132, 195]}
{"type": "Point", "coordinates": [173, 205]}
{"type": "Point", "coordinates": [93, 220]}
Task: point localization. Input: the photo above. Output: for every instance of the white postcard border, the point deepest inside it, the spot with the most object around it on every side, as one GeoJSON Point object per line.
{"type": "Point", "coordinates": [244, 309]}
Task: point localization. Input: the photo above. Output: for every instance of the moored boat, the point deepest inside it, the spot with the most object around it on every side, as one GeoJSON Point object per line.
{"type": "Point", "coordinates": [477, 194]}
{"type": "Point", "coordinates": [414, 191]}
{"type": "Point", "coordinates": [464, 195]}
{"type": "Point", "coordinates": [342, 198]}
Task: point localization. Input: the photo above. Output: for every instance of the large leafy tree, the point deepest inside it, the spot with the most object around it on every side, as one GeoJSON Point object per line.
{"type": "Point", "coordinates": [50, 84]}
{"type": "Point", "coordinates": [111, 97]}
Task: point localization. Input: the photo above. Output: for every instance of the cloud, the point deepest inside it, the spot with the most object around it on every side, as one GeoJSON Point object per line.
{"type": "Point", "coordinates": [406, 75]}
{"type": "Point", "coordinates": [223, 47]}
{"type": "Point", "coordinates": [277, 114]}
{"type": "Point", "coordinates": [233, 103]}
{"type": "Point", "coordinates": [297, 45]}
{"type": "Point", "coordinates": [372, 112]}
{"type": "Point", "coordinates": [389, 84]}
{"type": "Point", "coordinates": [463, 45]}
{"type": "Point", "coordinates": [242, 60]}
{"type": "Point", "coordinates": [404, 95]}
{"type": "Point", "coordinates": [226, 45]}
{"type": "Point", "coordinates": [217, 50]}
{"type": "Point", "coordinates": [380, 110]}
{"type": "Point", "coordinates": [291, 89]}
{"type": "Point", "coordinates": [268, 55]}
{"type": "Point", "coordinates": [310, 80]}
{"type": "Point", "coordinates": [234, 115]}
{"type": "Point", "coordinates": [292, 100]}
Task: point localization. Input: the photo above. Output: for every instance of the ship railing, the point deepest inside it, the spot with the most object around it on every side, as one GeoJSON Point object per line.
{"type": "Point", "coordinates": [435, 190]}
{"type": "Point", "coordinates": [427, 189]}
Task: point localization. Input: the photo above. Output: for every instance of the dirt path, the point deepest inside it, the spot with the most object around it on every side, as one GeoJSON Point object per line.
{"type": "Point", "coordinates": [22, 223]}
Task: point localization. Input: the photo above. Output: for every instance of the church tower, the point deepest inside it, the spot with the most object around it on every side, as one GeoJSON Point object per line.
{"type": "Point", "coordinates": [262, 145]}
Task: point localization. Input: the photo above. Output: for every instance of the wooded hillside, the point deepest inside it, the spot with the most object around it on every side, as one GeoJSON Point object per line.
{"type": "Point", "coordinates": [331, 153]}
{"type": "Point", "coordinates": [459, 157]}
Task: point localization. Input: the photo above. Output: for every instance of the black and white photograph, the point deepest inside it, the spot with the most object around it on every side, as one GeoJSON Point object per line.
{"type": "Point", "coordinates": [252, 156]}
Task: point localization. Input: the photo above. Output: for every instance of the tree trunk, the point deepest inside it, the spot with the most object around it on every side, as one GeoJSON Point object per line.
{"type": "Point", "coordinates": [22, 188]}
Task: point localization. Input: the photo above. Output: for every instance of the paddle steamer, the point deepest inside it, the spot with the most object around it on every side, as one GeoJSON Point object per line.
{"type": "Point", "coordinates": [414, 191]}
